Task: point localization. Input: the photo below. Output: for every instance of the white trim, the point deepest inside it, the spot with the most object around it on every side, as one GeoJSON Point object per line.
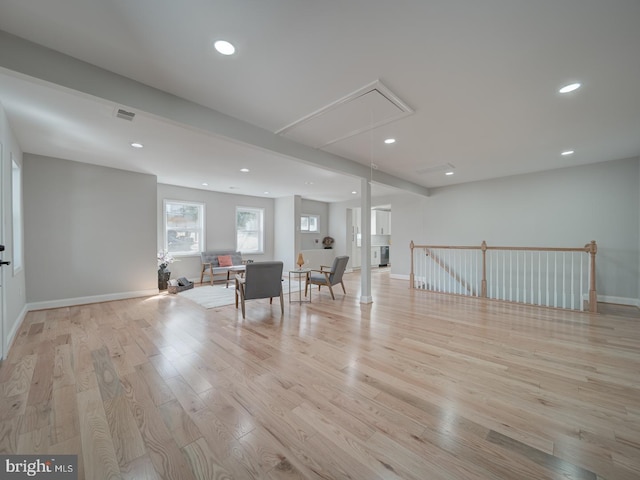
{"type": "Point", "coordinates": [635, 302]}
{"type": "Point", "coordinates": [203, 227]}
{"type": "Point", "coordinates": [70, 302]}
{"type": "Point", "coordinates": [399, 276]}
{"type": "Point", "coordinates": [366, 299]}
{"type": "Point", "coordinates": [16, 327]}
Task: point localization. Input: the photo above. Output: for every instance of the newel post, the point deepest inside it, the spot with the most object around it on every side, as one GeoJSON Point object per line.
{"type": "Point", "coordinates": [592, 248]}
{"type": "Point", "coordinates": [483, 247]}
{"type": "Point", "coordinates": [411, 282]}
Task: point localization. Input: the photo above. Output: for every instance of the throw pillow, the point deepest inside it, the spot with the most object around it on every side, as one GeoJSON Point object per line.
{"type": "Point", "coordinates": [225, 261]}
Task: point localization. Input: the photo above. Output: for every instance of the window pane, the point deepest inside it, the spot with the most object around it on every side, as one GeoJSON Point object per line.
{"type": "Point", "coordinates": [249, 230]}
{"type": "Point", "coordinates": [313, 223]}
{"type": "Point", "coordinates": [184, 227]}
{"type": "Point", "coordinates": [304, 223]}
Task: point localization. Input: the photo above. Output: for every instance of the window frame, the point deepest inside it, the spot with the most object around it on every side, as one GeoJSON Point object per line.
{"type": "Point", "coordinates": [309, 216]}
{"type": "Point", "coordinates": [261, 232]}
{"type": "Point", "coordinates": [202, 227]}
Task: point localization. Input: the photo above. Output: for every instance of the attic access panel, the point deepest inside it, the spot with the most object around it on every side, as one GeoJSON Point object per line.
{"type": "Point", "coordinates": [360, 111]}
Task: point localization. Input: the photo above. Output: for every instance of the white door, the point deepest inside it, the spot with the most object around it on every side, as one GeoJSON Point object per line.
{"type": "Point", "coordinates": [2, 270]}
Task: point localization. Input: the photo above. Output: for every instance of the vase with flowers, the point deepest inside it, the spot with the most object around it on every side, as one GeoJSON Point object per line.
{"type": "Point", "coordinates": [164, 260]}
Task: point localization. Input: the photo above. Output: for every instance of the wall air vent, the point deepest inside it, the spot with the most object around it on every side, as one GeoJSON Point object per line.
{"type": "Point", "coordinates": [121, 113]}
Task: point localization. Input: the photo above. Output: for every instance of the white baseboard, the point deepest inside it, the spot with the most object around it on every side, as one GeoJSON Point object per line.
{"type": "Point", "coordinates": [366, 299]}
{"type": "Point", "coordinates": [70, 302]}
{"type": "Point", "coordinates": [399, 276]}
{"type": "Point", "coordinates": [635, 302]}
{"type": "Point", "coordinates": [14, 331]}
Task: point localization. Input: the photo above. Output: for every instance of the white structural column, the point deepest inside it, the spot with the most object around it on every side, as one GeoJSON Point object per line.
{"type": "Point", "coordinates": [365, 221]}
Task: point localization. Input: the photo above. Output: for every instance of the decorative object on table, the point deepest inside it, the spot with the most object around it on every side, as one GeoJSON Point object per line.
{"type": "Point", "coordinates": [327, 242]}
{"type": "Point", "coordinates": [164, 260]}
{"type": "Point", "coordinates": [300, 260]}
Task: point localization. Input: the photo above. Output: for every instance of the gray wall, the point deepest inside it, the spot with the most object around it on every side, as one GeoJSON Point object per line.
{"type": "Point", "coordinates": [561, 208]}
{"type": "Point", "coordinates": [310, 207]}
{"type": "Point", "coordinates": [12, 281]}
{"type": "Point", "coordinates": [90, 231]}
{"type": "Point", "coordinates": [220, 224]}
{"type": "Point", "coordinates": [285, 234]}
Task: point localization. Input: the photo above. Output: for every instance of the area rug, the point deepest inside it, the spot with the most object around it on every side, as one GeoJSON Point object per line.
{"type": "Point", "coordinates": [218, 295]}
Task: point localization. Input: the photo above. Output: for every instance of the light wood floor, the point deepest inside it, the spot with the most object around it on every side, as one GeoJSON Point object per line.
{"type": "Point", "coordinates": [415, 386]}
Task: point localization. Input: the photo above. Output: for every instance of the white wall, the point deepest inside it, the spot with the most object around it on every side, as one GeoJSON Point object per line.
{"type": "Point", "coordinates": [286, 236]}
{"type": "Point", "coordinates": [561, 208]}
{"type": "Point", "coordinates": [90, 232]}
{"type": "Point", "coordinates": [13, 282]}
{"type": "Point", "coordinates": [310, 241]}
{"type": "Point", "coordinates": [220, 224]}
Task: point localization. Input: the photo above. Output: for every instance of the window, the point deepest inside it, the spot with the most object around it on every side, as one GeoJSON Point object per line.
{"type": "Point", "coordinates": [16, 205]}
{"type": "Point", "coordinates": [183, 227]}
{"type": "Point", "coordinates": [310, 223]}
{"type": "Point", "coordinates": [250, 230]}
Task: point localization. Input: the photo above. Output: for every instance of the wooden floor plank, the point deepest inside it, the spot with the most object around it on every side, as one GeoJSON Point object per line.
{"type": "Point", "coordinates": [416, 385]}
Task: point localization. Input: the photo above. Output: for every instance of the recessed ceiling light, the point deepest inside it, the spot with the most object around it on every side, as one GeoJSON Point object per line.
{"type": "Point", "coordinates": [308, 183]}
{"type": "Point", "coordinates": [224, 47]}
{"type": "Point", "coordinates": [567, 152]}
{"type": "Point", "coordinates": [244, 170]}
{"type": "Point", "coordinates": [449, 173]}
{"type": "Point", "coordinates": [205, 184]}
{"type": "Point", "coordinates": [569, 88]}
{"type": "Point", "coordinates": [354, 193]}
{"type": "Point", "coordinates": [137, 145]}
{"type": "Point", "coordinates": [266, 193]}
{"type": "Point", "coordinates": [389, 141]}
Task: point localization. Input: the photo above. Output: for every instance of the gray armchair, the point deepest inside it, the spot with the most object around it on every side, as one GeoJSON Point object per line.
{"type": "Point", "coordinates": [261, 280]}
{"type": "Point", "coordinates": [328, 276]}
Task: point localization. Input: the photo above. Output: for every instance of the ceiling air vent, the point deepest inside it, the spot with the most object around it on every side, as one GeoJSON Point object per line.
{"type": "Point", "coordinates": [123, 114]}
{"type": "Point", "coordinates": [432, 169]}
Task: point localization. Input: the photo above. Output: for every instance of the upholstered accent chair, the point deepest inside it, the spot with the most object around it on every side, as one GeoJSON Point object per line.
{"type": "Point", "coordinates": [260, 280]}
{"type": "Point", "coordinates": [328, 276]}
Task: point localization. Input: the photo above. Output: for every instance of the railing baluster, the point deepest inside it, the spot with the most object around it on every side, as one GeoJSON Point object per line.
{"type": "Point", "coordinates": [540, 278]}
{"type": "Point", "coordinates": [555, 279]}
{"type": "Point", "coordinates": [517, 276]}
{"type": "Point", "coordinates": [468, 271]}
{"type": "Point", "coordinates": [564, 281]}
{"type": "Point", "coordinates": [572, 278]}
{"type": "Point", "coordinates": [547, 282]}
{"type": "Point", "coordinates": [581, 284]}
{"type": "Point", "coordinates": [503, 297]}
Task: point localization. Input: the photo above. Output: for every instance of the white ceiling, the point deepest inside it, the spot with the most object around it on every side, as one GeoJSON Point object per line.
{"type": "Point", "coordinates": [482, 79]}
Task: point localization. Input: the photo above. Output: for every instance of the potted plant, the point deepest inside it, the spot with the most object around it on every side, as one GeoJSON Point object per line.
{"type": "Point", "coordinates": [164, 260]}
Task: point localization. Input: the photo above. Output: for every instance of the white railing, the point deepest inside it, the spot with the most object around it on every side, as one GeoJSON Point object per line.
{"type": "Point", "coordinates": [551, 277]}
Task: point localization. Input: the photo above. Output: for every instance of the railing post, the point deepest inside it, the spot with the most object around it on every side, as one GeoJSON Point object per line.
{"type": "Point", "coordinates": [483, 247]}
{"type": "Point", "coordinates": [592, 248]}
{"type": "Point", "coordinates": [411, 282]}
